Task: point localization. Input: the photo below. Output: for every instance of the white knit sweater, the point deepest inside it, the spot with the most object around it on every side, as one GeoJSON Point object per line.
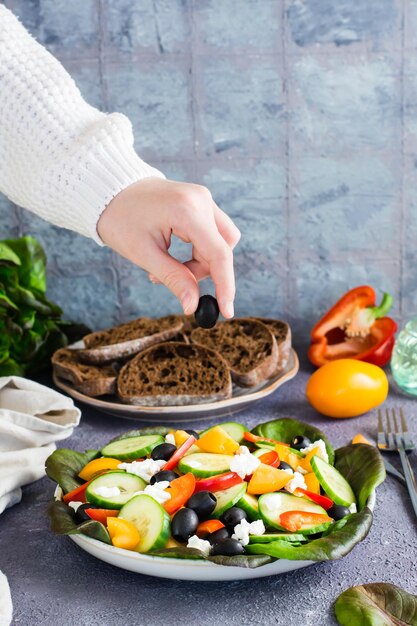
{"type": "Point", "coordinates": [59, 157]}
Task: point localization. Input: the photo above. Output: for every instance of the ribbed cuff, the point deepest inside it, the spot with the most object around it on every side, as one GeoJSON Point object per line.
{"type": "Point", "coordinates": [108, 165]}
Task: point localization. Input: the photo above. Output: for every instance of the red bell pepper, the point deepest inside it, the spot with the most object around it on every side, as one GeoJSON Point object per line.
{"type": "Point", "coordinates": [295, 520]}
{"type": "Point", "coordinates": [101, 515]}
{"type": "Point", "coordinates": [208, 527]}
{"type": "Point", "coordinates": [180, 489]}
{"type": "Point", "coordinates": [77, 494]}
{"type": "Point", "coordinates": [270, 458]}
{"type": "Point", "coordinates": [323, 501]}
{"type": "Point", "coordinates": [354, 328]}
{"type": "Point", "coordinates": [218, 482]}
{"type": "Point", "coordinates": [179, 453]}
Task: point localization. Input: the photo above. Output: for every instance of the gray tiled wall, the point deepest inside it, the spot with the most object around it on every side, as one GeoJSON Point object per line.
{"type": "Point", "coordinates": [300, 116]}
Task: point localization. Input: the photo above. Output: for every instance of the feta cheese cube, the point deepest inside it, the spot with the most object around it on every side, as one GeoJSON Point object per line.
{"type": "Point", "coordinates": [297, 481]}
{"type": "Point", "coordinates": [107, 492]}
{"type": "Point", "coordinates": [200, 544]}
{"type": "Point", "coordinates": [322, 453]}
{"type": "Point", "coordinates": [144, 469]}
{"type": "Point", "coordinates": [244, 463]}
{"type": "Point", "coordinates": [169, 438]}
{"type": "Point", "coordinates": [244, 529]}
{"type": "Point", "coordinates": [75, 505]}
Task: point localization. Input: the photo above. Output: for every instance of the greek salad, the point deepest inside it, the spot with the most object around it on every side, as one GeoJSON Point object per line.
{"type": "Point", "coordinates": [223, 492]}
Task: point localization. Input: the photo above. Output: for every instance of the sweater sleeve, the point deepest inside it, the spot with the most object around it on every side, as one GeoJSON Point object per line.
{"type": "Point", "coordinates": [59, 157]}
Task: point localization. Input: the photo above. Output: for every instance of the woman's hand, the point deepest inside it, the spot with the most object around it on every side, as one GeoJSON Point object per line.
{"type": "Point", "coordinates": [139, 222]}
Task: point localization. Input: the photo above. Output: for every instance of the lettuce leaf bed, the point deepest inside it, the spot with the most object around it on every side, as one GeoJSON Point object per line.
{"type": "Point", "coordinates": [360, 464]}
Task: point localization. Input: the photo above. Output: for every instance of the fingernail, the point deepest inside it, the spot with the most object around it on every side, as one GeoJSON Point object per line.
{"type": "Point", "coordinates": [228, 309]}
{"type": "Point", "coordinates": [186, 302]}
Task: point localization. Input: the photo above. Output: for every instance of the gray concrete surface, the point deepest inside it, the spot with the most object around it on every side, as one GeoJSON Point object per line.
{"type": "Point", "coordinates": [54, 583]}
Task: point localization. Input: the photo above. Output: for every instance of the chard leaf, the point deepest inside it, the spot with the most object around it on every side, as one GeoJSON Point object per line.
{"type": "Point", "coordinates": [339, 541]}
{"type": "Point", "coordinates": [363, 468]}
{"type": "Point", "coordinates": [376, 604]}
{"type": "Point", "coordinates": [286, 428]}
{"type": "Point", "coordinates": [63, 522]}
{"type": "Point", "coordinates": [63, 467]}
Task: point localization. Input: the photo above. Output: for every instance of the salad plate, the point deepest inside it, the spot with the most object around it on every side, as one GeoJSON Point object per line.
{"type": "Point", "coordinates": [240, 400]}
{"type": "Point", "coordinates": [182, 569]}
{"type": "Point", "coordinates": [321, 516]}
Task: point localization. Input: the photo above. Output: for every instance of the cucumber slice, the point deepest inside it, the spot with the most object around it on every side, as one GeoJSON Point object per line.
{"type": "Point", "coordinates": [260, 451]}
{"type": "Point", "coordinates": [269, 537]}
{"type": "Point", "coordinates": [151, 520]}
{"type": "Point", "coordinates": [271, 505]}
{"type": "Point", "coordinates": [233, 429]}
{"type": "Point", "coordinates": [249, 504]}
{"type": "Point", "coordinates": [132, 447]}
{"type": "Point", "coordinates": [266, 445]}
{"type": "Point", "coordinates": [332, 481]}
{"type": "Point", "coordinates": [227, 498]}
{"type": "Point", "coordinates": [128, 484]}
{"type": "Point", "coordinates": [205, 464]}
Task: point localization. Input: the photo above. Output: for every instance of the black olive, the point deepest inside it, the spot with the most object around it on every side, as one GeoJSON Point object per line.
{"type": "Point", "coordinates": [337, 511]}
{"type": "Point", "coordinates": [163, 475]}
{"type": "Point", "coordinates": [232, 517]}
{"type": "Point", "coordinates": [203, 503]}
{"type": "Point", "coordinates": [184, 524]}
{"type": "Point", "coordinates": [81, 515]}
{"type": "Point", "coordinates": [227, 547]}
{"type": "Point", "coordinates": [300, 442]}
{"type": "Point", "coordinates": [283, 465]}
{"type": "Point", "coordinates": [218, 535]}
{"type": "Point", "coordinates": [163, 452]}
{"type": "Point", "coordinates": [192, 432]}
{"type": "Point", "coordinates": [207, 312]}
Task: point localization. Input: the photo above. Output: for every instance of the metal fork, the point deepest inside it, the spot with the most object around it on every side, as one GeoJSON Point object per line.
{"type": "Point", "coordinates": [394, 440]}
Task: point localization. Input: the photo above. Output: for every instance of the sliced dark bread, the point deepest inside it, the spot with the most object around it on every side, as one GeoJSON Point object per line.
{"type": "Point", "coordinates": [174, 374]}
{"type": "Point", "coordinates": [92, 380]}
{"type": "Point", "coordinates": [128, 339]}
{"type": "Point", "coordinates": [282, 334]}
{"type": "Point", "coordinates": [247, 345]}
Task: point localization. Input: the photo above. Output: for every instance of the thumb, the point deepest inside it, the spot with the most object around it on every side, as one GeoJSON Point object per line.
{"type": "Point", "coordinates": [178, 278]}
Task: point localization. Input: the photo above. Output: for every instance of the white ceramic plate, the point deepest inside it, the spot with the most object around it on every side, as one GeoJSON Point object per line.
{"type": "Point", "coordinates": [241, 399]}
{"type": "Point", "coordinates": [182, 569]}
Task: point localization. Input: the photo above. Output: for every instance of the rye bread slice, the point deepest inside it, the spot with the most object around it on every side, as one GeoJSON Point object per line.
{"type": "Point", "coordinates": [247, 345]}
{"type": "Point", "coordinates": [282, 334]}
{"type": "Point", "coordinates": [128, 339]}
{"type": "Point", "coordinates": [91, 380]}
{"type": "Point", "coordinates": [172, 374]}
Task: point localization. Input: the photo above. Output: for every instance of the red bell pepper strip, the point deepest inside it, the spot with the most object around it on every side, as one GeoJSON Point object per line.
{"type": "Point", "coordinates": [208, 527]}
{"type": "Point", "coordinates": [270, 458]}
{"type": "Point", "coordinates": [101, 515]}
{"type": "Point", "coordinates": [218, 483]}
{"type": "Point", "coordinates": [180, 489]}
{"type": "Point", "coordinates": [255, 438]}
{"type": "Point", "coordinates": [323, 501]}
{"type": "Point", "coordinates": [295, 520]}
{"type": "Point", "coordinates": [77, 494]}
{"type": "Point", "coordinates": [354, 328]}
{"type": "Point", "coordinates": [179, 453]}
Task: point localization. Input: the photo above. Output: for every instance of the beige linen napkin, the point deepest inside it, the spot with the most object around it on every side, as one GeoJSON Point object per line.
{"type": "Point", "coordinates": [32, 418]}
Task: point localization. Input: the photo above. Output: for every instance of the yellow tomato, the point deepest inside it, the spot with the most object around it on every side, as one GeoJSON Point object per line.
{"type": "Point", "coordinates": [346, 388]}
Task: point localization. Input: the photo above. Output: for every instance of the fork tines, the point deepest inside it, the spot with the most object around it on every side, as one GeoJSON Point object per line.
{"type": "Point", "coordinates": [391, 438]}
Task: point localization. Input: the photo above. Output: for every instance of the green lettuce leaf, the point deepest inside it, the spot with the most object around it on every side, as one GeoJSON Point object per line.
{"type": "Point", "coordinates": [376, 604]}
{"type": "Point", "coordinates": [63, 465]}
{"type": "Point", "coordinates": [63, 522]}
{"type": "Point", "coordinates": [7, 256]}
{"type": "Point", "coordinates": [32, 266]}
{"type": "Point", "coordinates": [363, 468]}
{"type": "Point", "coordinates": [286, 428]}
{"type": "Point", "coordinates": [339, 541]}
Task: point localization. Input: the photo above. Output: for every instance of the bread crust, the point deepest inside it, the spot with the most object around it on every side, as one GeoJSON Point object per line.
{"type": "Point", "coordinates": [282, 334]}
{"type": "Point", "coordinates": [90, 380]}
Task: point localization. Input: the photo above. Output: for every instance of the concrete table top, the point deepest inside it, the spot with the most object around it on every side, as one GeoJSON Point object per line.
{"type": "Point", "coordinates": [53, 582]}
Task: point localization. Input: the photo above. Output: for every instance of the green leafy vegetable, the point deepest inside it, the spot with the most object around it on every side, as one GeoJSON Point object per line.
{"type": "Point", "coordinates": [363, 468]}
{"type": "Point", "coordinates": [376, 604]}
{"type": "Point", "coordinates": [31, 328]}
{"type": "Point", "coordinates": [340, 540]}
{"type": "Point", "coordinates": [240, 560]}
{"type": "Point", "coordinates": [62, 518]}
{"type": "Point", "coordinates": [286, 428]}
{"type": "Point", "coordinates": [63, 467]}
